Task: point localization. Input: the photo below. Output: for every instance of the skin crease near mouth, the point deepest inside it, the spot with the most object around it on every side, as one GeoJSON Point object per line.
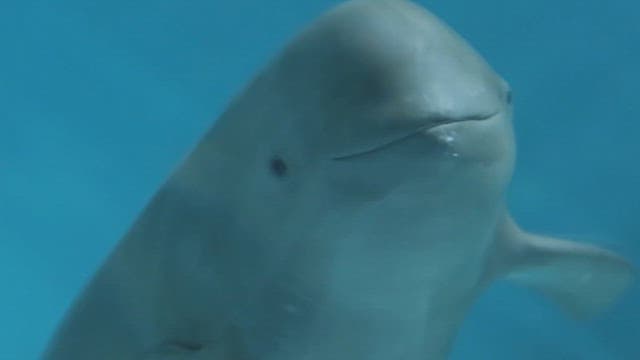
{"type": "Point", "coordinates": [435, 124]}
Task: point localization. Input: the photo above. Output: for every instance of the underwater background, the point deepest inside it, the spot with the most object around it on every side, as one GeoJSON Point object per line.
{"type": "Point", "coordinates": [100, 100]}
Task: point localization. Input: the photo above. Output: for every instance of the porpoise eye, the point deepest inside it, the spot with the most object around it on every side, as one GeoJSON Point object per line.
{"type": "Point", "coordinates": [509, 97]}
{"type": "Point", "coordinates": [278, 167]}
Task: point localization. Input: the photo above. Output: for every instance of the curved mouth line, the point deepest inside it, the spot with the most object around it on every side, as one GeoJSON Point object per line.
{"type": "Point", "coordinates": [441, 121]}
{"type": "Point", "coordinates": [446, 121]}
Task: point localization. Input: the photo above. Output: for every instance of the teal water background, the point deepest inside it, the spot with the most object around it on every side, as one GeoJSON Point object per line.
{"type": "Point", "coordinates": [99, 100]}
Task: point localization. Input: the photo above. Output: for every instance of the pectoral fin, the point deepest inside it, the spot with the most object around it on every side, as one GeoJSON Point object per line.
{"type": "Point", "coordinates": [582, 279]}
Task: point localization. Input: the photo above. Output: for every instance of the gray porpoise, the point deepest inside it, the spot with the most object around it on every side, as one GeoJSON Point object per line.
{"type": "Point", "coordinates": [348, 205]}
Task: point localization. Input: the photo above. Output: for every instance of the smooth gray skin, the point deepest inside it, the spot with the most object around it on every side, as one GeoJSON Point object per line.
{"type": "Point", "coordinates": [387, 222]}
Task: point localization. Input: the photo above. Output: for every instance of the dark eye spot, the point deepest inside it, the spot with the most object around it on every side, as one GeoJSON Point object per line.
{"type": "Point", "coordinates": [191, 346]}
{"type": "Point", "coordinates": [509, 97]}
{"type": "Point", "coordinates": [278, 167]}
{"type": "Point", "coordinates": [183, 346]}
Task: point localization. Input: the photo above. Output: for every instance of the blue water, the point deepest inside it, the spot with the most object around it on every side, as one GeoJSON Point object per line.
{"type": "Point", "coordinates": [99, 100]}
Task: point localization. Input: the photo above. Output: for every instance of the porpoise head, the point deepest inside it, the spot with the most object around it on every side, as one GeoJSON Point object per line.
{"type": "Point", "coordinates": [378, 82]}
{"type": "Point", "coordinates": [369, 135]}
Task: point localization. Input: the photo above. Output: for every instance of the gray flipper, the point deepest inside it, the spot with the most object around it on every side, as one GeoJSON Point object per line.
{"type": "Point", "coordinates": [581, 279]}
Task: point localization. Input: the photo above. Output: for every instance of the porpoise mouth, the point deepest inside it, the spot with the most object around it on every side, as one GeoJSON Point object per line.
{"type": "Point", "coordinates": [434, 123]}
{"type": "Point", "coordinates": [441, 121]}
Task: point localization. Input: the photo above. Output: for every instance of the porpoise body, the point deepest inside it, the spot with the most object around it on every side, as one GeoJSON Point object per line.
{"type": "Point", "coordinates": [348, 205]}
